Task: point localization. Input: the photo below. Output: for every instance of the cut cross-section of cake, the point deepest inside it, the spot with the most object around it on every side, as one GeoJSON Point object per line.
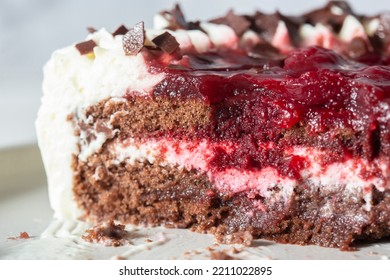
{"type": "Point", "coordinates": [265, 126]}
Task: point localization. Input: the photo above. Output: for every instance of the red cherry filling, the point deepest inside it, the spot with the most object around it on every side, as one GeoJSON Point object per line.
{"type": "Point", "coordinates": [314, 97]}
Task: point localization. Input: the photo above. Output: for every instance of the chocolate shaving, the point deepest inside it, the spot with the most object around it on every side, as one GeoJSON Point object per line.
{"type": "Point", "coordinates": [292, 24]}
{"type": "Point", "coordinates": [91, 29]}
{"type": "Point", "coordinates": [121, 30]}
{"type": "Point", "coordinates": [264, 50]}
{"type": "Point", "coordinates": [327, 16]}
{"type": "Point", "coordinates": [175, 18]}
{"type": "Point", "coordinates": [265, 25]}
{"type": "Point", "coordinates": [166, 42]}
{"type": "Point", "coordinates": [239, 24]}
{"type": "Point", "coordinates": [133, 40]}
{"type": "Point", "coordinates": [382, 34]}
{"type": "Point", "coordinates": [85, 47]}
{"type": "Point", "coordinates": [195, 25]}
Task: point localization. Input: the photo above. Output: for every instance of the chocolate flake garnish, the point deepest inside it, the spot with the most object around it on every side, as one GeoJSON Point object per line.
{"type": "Point", "coordinates": [166, 42]}
{"type": "Point", "coordinates": [381, 36]}
{"type": "Point", "coordinates": [292, 24]}
{"type": "Point", "coordinates": [264, 50]}
{"type": "Point", "coordinates": [91, 29]}
{"type": "Point", "coordinates": [176, 18]}
{"type": "Point", "coordinates": [121, 30]}
{"type": "Point", "coordinates": [238, 23]}
{"type": "Point", "coordinates": [327, 15]}
{"type": "Point", "coordinates": [133, 40]}
{"type": "Point", "coordinates": [85, 47]}
{"type": "Point", "coordinates": [265, 25]}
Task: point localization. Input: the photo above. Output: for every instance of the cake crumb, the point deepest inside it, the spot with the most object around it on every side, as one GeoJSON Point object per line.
{"type": "Point", "coordinates": [22, 235]}
{"type": "Point", "coordinates": [119, 258]}
{"type": "Point", "coordinates": [236, 250]}
{"type": "Point", "coordinates": [209, 249]}
{"type": "Point", "coordinates": [221, 255]}
{"type": "Point", "coordinates": [244, 238]}
{"type": "Point", "coordinates": [108, 234]}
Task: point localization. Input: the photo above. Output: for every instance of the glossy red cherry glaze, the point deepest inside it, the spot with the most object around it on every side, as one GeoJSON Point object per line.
{"type": "Point", "coordinates": [313, 97]}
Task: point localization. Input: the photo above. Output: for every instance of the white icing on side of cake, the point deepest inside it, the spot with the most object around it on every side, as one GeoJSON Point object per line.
{"type": "Point", "coordinates": [72, 83]}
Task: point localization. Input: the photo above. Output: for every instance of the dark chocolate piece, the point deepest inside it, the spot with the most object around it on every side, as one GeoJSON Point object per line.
{"type": "Point", "coordinates": [333, 15]}
{"type": "Point", "coordinates": [195, 25]}
{"type": "Point", "coordinates": [264, 50]}
{"type": "Point", "coordinates": [292, 24]}
{"type": "Point", "coordinates": [239, 24]}
{"type": "Point", "coordinates": [176, 18]}
{"type": "Point", "coordinates": [265, 25]}
{"type": "Point", "coordinates": [85, 47]}
{"type": "Point", "coordinates": [121, 30]}
{"type": "Point", "coordinates": [133, 40]}
{"type": "Point", "coordinates": [383, 31]}
{"type": "Point", "coordinates": [166, 42]}
{"type": "Point", "coordinates": [91, 29]}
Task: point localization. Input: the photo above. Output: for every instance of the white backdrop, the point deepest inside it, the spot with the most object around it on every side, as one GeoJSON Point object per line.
{"type": "Point", "coordinates": [30, 30]}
